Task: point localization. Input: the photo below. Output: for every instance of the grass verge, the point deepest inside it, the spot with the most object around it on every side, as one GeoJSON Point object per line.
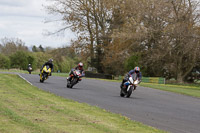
{"type": "Point", "coordinates": [25, 108]}
{"type": "Point", "coordinates": [190, 90]}
{"type": "Point", "coordinates": [185, 89]}
{"type": "Point", "coordinates": [33, 72]}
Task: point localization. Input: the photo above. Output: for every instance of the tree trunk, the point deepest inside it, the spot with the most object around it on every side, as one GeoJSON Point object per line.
{"type": "Point", "coordinates": [179, 78]}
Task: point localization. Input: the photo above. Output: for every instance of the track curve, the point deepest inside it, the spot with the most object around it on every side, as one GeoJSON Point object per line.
{"type": "Point", "coordinates": [164, 110]}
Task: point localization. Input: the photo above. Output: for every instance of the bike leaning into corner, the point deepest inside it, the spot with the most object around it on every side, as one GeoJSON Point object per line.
{"type": "Point", "coordinates": [45, 73]}
{"type": "Point", "coordinates": [75, 75]}
{"type": "Point", "coordinates": [75, 78]}
{"type": "Point", "coordinates": [130, 82]}
{"type": "Point", "coordinates": [129, 86]}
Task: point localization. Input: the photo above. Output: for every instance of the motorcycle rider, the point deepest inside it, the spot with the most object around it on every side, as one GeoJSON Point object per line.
{"type": "Point", "coordinates": [80, 68]}
{"type": "Point", "coordinates": [136, 71]}
{"type": "Point", "coordinates": [29, 66]}
{"type": "Point", "coordinates": [49, 63]}
{"type": "Point", "coordinates": [29, 69]}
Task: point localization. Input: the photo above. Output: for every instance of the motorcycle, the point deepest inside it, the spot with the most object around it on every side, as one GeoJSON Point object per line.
{"type": "Point", "coordinates": [30, 69]}
{"type": "Point", "coordinates": [45, 73]}
{"type": "Point", "coordinates": [129, 86]}
{"type": "Point", "coordinates": [75, 77]}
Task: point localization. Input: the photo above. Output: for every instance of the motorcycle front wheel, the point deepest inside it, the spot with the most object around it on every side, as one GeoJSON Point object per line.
{"type": "Point", "coordinates": [121, 94]}
{"type": "Point", "coordinates": [129, 92]}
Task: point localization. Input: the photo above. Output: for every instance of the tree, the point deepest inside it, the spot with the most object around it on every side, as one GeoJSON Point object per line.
{"type": "Point", "coordinates": [12, 45]}
{"type": "Point", "coordinates": [19, 60]}
{"type": "Point", "coordinates": [165, 32]}
{"type": "Point", "coordinates": [4, 62]}
{"type": "Point", "coordinates": [41, 48]}
{"type": "Point", "coordinates": [88, 19]}
{"type": "Point", "coordinates": [34, 48]}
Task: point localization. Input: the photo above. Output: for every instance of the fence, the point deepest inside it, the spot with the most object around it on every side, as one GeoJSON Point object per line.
{"type": "Point", "coordinates": [156, 80]}
{"type": "Point", "coordinates": [97, 75]}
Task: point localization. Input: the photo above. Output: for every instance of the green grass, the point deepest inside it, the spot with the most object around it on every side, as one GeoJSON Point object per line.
{"type": "Point", "coordinates": [185, 89]}
{"type": "Point", "coordinates": [190, 90]}
{"type": "Point", "coordinates": [33, 72]}
{"type": "Point", "coordinates": [26, 109]}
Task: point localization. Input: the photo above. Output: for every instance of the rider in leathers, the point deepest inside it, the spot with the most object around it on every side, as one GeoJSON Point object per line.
{"type": "Point", "coordinates": [80, 68]}
{"type": "Point", "coordinates": [136, 71]}
{"type": "Point", "coordinates": [49, 63]}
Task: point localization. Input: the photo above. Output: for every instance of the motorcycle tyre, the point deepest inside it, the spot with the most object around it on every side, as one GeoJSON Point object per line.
{"type": "Point", "coordinates": [129, 92]}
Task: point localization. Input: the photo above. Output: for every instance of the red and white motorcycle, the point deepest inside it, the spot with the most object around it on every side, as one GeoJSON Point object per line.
{"type": "Point", "coordinates": [75, 78]}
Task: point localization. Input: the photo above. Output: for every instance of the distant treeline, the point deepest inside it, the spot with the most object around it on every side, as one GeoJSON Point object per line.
{"type": "Point", "coordinates": [14, 54]}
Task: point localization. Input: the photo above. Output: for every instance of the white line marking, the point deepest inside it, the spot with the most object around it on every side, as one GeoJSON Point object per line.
{"type": "Point", "coordinates": [24, 79]}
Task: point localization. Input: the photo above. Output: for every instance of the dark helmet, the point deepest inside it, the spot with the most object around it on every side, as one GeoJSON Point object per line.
{"type": "Point", "coordinates": [137, 69]}
{"type": "Point", "coordinates": [50, 60]}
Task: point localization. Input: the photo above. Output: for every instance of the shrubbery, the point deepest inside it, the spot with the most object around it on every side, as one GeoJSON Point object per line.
{"type": "Point", "coordinates": [4, 62]}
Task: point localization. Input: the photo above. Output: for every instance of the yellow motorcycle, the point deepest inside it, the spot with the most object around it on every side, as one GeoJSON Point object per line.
{"type": "Point", "coordinates": [45, 73]}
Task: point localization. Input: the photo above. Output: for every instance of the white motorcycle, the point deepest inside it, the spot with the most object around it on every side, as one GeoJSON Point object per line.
{"type": "Point", "coordinates": [128, 87]}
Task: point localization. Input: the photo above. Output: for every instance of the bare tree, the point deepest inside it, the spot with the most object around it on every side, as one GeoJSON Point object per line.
{"type": "Point", "coordinates": [12, 45]}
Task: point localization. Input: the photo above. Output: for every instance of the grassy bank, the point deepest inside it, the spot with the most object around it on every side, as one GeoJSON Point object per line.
{"type": "Point", "coordinates": [25, 108]}
{"type": "Point", "coordinates": [185, 89]}
{"type": "Point", "coordinates": [33, 72]}
{"type": "Point", "coordinates": [190, 90]}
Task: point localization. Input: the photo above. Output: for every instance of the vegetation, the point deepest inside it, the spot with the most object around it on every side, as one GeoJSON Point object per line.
{"type": "Point", "coordinates": [14, 54]}
{"type": "Point", "coordinates": [165, 33]}
{"type": "Point", "coordinates": [114, 36]}
{"type": "Point", "coordinates": [29, 109]}
{"type": "Point", "coordinates": [190, 90]}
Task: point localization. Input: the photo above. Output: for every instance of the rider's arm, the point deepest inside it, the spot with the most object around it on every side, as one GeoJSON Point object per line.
{"type": "Point", "coordinates": [140, 76]}
{"type": "Point", "coordinates": [131, 72]}
{"type": "Point", "coordinates": [52, 68]}
{"type": "Point", "coordinates": [83, 74]}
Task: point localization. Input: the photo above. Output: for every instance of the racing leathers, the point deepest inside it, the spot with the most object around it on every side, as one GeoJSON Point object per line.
{"type": "Point", "coordinates": [134, 74]}
{"type": "Point", "coordinates": [76, 68]}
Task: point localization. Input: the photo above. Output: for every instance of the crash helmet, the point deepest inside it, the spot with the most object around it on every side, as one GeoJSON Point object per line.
{"type": "Point", "coordinates": [80, 65]}
{"type": "Point", "coordinates": [137, 69]}
{"type": "Point", "coordinates": [50, 60]}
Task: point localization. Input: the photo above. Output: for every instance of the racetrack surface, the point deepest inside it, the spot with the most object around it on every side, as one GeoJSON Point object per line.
{"type": "Point", "coordinates": [164, 110]}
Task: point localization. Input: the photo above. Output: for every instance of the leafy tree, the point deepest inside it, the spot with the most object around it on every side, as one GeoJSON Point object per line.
{"type": "Point", "coordinates": [32, 60]}
{"type": "Point", "coordinates": [34, 49]}
{"type": "Point", "coordinates": [4, 62]}
{"type": "Point", "coordinates": [41, 58]}
{"type": "Point", "coordinates": [41, 48]}
{"type": "Point", "coordinates": [19, 60]}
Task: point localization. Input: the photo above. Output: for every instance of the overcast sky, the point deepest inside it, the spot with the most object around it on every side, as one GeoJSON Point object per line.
{"type": "Point", "coordinates": [24, 19]}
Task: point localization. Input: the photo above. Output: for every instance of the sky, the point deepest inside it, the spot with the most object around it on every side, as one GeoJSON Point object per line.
{"type": "Point", "coordinates": [25, 20]}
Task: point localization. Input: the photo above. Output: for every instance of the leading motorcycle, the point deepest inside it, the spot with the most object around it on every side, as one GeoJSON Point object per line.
{"type": "Point", "coordinates": [45, 73]}
{"type": "Point", "coordinates": [129, 86]}
{"type": "Point", "coordinates": [75, 78]}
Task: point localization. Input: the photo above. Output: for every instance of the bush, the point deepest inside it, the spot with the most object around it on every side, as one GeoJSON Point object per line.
{"type": "Point", "coordinates": [131, 62]}
{"type": "Point", "coordinates": [4, 62]}
{"type": "Point", "coordinates": [19, 60]}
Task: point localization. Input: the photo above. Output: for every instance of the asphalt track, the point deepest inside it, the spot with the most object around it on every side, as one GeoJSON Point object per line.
{"type": "Point", "coordinates": [164, 110]}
